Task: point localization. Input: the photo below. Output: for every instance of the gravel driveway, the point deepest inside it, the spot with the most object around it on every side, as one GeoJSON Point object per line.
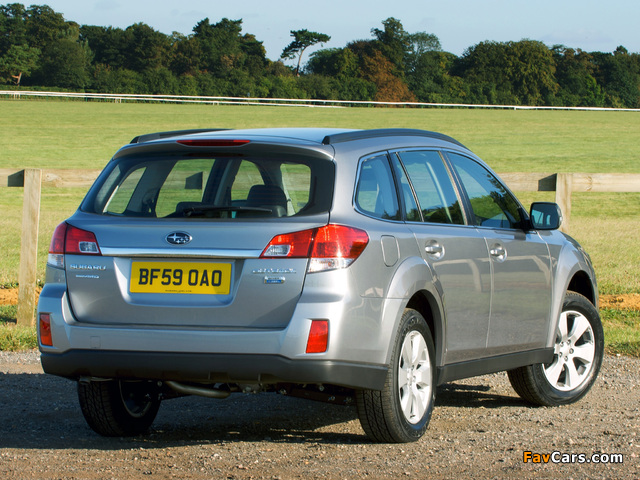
{"type": "Point", "coordinates": [479, 429]}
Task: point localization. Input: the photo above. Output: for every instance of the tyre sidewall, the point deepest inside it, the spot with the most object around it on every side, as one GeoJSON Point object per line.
{"type": "Point", "coordinates": [411, 321]}
{"type": "Point", "coordinates": [103, 408]}
{"type": "Point", "coordinates": [575, 302]}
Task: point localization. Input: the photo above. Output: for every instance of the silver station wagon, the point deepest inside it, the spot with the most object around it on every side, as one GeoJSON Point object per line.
{"type": "Point", "coordinates": [360, 267]}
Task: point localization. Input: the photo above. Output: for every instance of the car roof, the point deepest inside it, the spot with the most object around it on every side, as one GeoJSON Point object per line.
{"type": "Point", "coordinates": [321, 136]}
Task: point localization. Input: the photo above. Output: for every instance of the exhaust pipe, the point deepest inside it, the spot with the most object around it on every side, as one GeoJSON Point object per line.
{"type": "Point", "coordinates": [201, 391]}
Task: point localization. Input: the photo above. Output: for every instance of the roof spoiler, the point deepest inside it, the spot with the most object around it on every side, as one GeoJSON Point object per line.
{"type": "Point", "coordinates": [174, 133]}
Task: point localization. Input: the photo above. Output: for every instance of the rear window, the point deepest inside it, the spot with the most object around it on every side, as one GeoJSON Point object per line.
{"type": "Point", "coordinates": [220, 187]}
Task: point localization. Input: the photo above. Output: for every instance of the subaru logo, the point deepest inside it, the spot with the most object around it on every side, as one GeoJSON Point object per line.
{"type": "Point", "coordinates": [178, 238]}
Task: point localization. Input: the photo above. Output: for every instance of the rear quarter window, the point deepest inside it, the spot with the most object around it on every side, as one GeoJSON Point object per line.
{"type": "Point", "coordinates": [376, 194]}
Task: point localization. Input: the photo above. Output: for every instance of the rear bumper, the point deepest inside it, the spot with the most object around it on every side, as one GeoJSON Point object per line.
{"type": "Point", "coordinates": [208, 367]}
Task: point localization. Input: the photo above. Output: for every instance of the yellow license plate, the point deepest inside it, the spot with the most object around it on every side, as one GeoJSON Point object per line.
{"type": "Point", "coordinates": [180, 277]}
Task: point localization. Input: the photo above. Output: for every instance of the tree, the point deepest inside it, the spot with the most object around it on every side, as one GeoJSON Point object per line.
{"type": "Point", "coordinates": [19, 60]}
{"type": "Point", "coordinates": [394, 42]}
{"type": "Point", "coordinates": [521, 73]}
{"type": "Point", "coordinates": [186, 58]}
{"type": "Point", "coordinates": [303, 39]}
{"type": "Point", "coordinates": [146, 48]}
{"type": "Point", "coordinates": [65, 63]}
{"type": "Point", "coordinates": [44, 26]}
{"type": "Point", "coordinates": [12, 26]}
{"type": "Point", "coordinates": [574, 73]}
{"type": "Point", "coordinates": [619, 75]}
{"type": "Point", "coordinates": [340, 63]}
{"type": "Point", "coordinates": [378, 70]}
{"type": "Point", "coordinates": [224, 49]}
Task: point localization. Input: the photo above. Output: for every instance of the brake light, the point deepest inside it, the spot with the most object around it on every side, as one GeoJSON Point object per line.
{"type": "Point", "coordinates": [290, 245]}
{"type": "Point", "coordinates": [81, 242]}
{"type": "Point", "coordinates": [212, 143]}
{"type": "Point", "coordinates": [318, 336]}
{"type": "Point", "coordinates": [69, 239]}
{"type": "Point", "coordinates": [329, 248]}
{"type": "Point", "coordinates": [44, 326]}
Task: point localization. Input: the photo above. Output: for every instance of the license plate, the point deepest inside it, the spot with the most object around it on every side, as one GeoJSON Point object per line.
{"type": "Point", "coordinates": [180, 277]}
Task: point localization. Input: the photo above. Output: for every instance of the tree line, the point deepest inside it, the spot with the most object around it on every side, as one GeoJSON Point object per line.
{"type": "Point", "coordinates": [40, 48]}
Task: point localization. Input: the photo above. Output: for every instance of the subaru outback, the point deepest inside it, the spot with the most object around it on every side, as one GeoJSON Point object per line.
{"type": "Point", "coordinates": [361, 267]}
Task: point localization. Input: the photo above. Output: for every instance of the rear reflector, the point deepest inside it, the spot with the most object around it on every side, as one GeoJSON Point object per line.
{"type": "Point", "coordinates": [44, 327]}
{"type": "Point", "coordinates": [318, 336]}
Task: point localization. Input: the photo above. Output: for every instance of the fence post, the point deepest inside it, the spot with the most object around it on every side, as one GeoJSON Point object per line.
{"type": "Point", "coordinates": [564, 186]}
{"type": "Point", "coordinates": [29, 247]}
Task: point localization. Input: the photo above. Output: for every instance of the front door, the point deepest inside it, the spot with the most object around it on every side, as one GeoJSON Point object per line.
{"type": "Point", "coordinates": [519, 259]}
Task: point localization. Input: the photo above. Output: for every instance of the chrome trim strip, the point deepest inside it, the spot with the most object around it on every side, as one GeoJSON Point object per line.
{"type": "Point", "coordinates": [179, 252]}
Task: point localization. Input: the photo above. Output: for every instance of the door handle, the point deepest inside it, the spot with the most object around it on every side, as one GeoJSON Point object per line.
{"type": "Point", "coordinates": [498, 252]}
{"type": "Point", "coordinates": [434, 249]}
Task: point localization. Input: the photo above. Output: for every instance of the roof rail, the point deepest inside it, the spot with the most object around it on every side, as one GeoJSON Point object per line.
{"type": "Point", "coordinates": [175, 133]}
{"type": "Point", "coordinates": [386, 132]}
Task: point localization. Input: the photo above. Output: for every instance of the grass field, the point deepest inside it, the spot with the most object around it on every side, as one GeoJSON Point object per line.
{"type": "Point", "coordinates": [76, 134]}
{"type": "Point", "coordinates": [72, 134]}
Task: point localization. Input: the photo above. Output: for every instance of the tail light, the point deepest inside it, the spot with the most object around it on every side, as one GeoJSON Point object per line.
{"type": "Point", "coordinates": [69, 239]}
{"type": "Point", "coordinates": [329, 248]}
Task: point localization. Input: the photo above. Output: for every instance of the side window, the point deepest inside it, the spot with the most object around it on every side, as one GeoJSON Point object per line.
{"type": "Point", "coordinates": [411, 209]}
{"type": "Point", "coordinates": [376, 194]}
{"type": "Point", "coordinates": [493, 206]}
{"type": "Point", "coordinates": [437, 198]}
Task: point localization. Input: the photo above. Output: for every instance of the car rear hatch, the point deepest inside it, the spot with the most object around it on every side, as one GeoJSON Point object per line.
{"type": "Point", "coordinates": [191, 235]}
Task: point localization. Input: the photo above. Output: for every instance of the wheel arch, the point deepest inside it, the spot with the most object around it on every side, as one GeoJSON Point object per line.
{"type": "Point", "coordinates": [415, 286]}
{"type": "Point", "coordinates": [426, 304]}
{"type": "Point", "coordinates": [581, 283]}
{"type": "Point", "coordinates": [573, 273]}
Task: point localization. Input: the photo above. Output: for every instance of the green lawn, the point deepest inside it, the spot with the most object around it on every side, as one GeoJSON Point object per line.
{"type": "Point", "coordinates": [74, 134]}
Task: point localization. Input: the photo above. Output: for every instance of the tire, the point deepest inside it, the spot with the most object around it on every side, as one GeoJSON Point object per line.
{"type": "Point", "coordinates": [117, 408]}
{"type": "Point", "coordinates": [400, 413]}
{"type": "Point", "coordinates": [579, 349]}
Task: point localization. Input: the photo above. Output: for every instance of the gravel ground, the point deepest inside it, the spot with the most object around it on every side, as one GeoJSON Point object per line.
{"type": "Point", "coordinates": [479, 429]}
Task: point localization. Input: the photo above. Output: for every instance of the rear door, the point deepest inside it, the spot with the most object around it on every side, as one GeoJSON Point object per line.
{"type": "Point", "coordinates": [455, 251]}
{"type": "Point", "coordinates": [181, 237]}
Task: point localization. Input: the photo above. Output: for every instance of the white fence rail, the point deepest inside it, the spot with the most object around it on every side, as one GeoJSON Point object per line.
{"type": "Point", "coordinates": [280, 102]}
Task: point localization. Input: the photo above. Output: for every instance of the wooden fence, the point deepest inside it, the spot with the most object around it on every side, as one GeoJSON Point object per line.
{"type": "Point", "coordinates": [564, 184]}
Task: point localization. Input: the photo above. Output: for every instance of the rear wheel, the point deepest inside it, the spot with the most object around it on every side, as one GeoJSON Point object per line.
{"type": "Point", "coordinates": [402, 410]}
{"type": "Point", "coordinates": [578, 352]}
{"type": "Point", "coordinates": [117, 408]}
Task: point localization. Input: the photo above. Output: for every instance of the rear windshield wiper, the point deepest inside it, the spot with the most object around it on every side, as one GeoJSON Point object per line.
{"type": "Point", "coordinates": [211, 211]}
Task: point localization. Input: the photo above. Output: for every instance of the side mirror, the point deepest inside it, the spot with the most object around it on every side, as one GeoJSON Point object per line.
{"type": "Point", "coordinates": [545, 216]}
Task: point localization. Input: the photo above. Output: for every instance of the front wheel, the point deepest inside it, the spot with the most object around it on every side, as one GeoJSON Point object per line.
{"type": "Point", "coordinates": [118, 408]}
{"type": "Point", "coordinates": [402, 410]}
{"type": "Point", "coordinates": [578, 353]}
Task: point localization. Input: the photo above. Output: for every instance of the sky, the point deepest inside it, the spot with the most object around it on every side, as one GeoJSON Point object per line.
{"type": "Point", "coordinates": [591, 25]}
